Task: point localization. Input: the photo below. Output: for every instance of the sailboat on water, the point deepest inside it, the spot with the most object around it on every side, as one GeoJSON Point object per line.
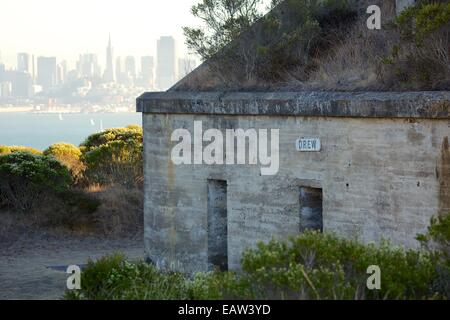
{"type": "Point", "coordinates": [60, 117]}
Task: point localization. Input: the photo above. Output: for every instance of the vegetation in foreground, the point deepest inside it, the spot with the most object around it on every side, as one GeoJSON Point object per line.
{"type": "Point", "coordinates": [310, 266]}
{"type": "Point", "coordinates": [96, 187]}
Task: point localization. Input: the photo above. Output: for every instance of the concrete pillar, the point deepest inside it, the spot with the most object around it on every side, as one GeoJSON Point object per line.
{"type": "Point", "coordinates": [400, 5]}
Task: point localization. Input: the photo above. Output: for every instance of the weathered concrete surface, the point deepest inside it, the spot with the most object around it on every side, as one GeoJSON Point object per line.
{"type": "Point", "coordinates": [326, 104]}
{"type": "Point", "coordinates": [381, 177]}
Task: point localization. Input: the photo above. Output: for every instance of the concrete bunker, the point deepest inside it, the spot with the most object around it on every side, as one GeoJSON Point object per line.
{"type": "Point", "coordinates": [369, 179]}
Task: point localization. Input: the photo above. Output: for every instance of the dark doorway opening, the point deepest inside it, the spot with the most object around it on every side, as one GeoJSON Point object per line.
{"type": "Point", "coordinates": [311, 217]}
{"type": "Point", "coordinates": [217, 225]}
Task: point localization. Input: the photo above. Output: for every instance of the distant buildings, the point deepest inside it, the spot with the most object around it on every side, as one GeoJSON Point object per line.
{"type": "Point", "coordinates": [120, 70]}
{"type": "Point", "coordinates": [23, 62]}
{"type": "Point", "coordinates": [122, 74]}
{"type": "Point", "coordinates": [166, 64]}
{"type": "Point", "coordinates": [109, 70]}
{"type": "Point", "coordinates": [46, 77]}
{"type": "Point", "coordinates": [147, 72]}
{"type": "Point", "coordinates": [22, 85]}
{"type": "Point", "coordinates": [88, 67]}
{"type": "Point", "coordinates": [130, 68]}
{"type": "Point", "coordinates": [5, 89]}
{"type": "Point", "coordinates": [15, 84]}
{"type": "Point", "coordinates": [46, 72]}
{"type": "Point", "coordinates": [61, 72]}
{"type": "Point", "coordinates": [22, 79]}
{"type": "Point", "coordinates": [2, 72]}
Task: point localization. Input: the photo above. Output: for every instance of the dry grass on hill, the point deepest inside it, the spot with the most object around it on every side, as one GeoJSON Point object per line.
{"type": "Point", "coordinates": [354, 59]}
{"type": "Point", "coordinates": [119, 213]}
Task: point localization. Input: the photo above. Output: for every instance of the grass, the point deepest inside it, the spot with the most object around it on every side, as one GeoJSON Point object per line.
{"type": "Point", "coordinates": [355, 58]}
{"type": "Point", "coordinates": [108, 210]}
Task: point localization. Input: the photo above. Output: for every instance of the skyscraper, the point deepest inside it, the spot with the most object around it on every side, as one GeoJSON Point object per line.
{"type": "Point", "coordinates": [88, 67]}
{"type": "Point", "coordinates": [46, 69]}
{"type": "Point", "coordinates": [109, 70]}
{"type": "Point", "coordinates": [119, 69]}
{"type": "Point", "coordinates": [147, 72]}
{"type": "Point", "coordinates": [22, 84]}
{"type": "Point", "coordinates": [166, 65]}
{"type": "Point", "coordinates": [122, 74]}
{"type": "Point", "coordinates": [23, 62]}
{"type": "Point", "coordinates": [5, 89]}
{"type": "Point", "coordinates": [33, 68]}
{"type": "Point", "coordinates": [130, 67]}
{"type": "Point", "coordinates": [61, 73]}
{"type": "Point", "coordinates": [2, 71]}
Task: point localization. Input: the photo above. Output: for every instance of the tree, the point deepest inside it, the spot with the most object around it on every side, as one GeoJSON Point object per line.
{"type": "Point", "coordinates": [11, 149]}
{"type": "Point", "coordinates": [114, 156]}
{"type": "Point", "coordinates": [223, 21]}
{"type": "Point", "coordinates": [422, 56]}
{"type": "Point", "coordinates": [70, 156]}
{"type": "Point", "coordinates": [26, 178]}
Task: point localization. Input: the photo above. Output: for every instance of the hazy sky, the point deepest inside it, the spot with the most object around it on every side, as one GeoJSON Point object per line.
{"type": "Point", "coordinates": [66, 28]}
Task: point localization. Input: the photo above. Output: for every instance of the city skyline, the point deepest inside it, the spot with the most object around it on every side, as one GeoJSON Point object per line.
{"type": "Point", "coordinates": [24, 59]}
{"type": "Point", "coordinates": [51, 31]}
{"type": "Point", "coordinates": [38, 79]}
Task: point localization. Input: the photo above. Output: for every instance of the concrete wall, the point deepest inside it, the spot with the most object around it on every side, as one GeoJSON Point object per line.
{"type": "Point", "coordinates": [381, 177]}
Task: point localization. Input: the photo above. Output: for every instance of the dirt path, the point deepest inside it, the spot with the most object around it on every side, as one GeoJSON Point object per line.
{"type": "Point", "coordinates": [24, 264]}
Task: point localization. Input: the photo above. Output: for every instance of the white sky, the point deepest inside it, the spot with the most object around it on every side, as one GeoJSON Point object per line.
{"type": "Point", "coordinates": [66, 28]}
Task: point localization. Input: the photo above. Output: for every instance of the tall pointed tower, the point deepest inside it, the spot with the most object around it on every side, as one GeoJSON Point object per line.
{"type": "Point", "coordinates": [109, 71]}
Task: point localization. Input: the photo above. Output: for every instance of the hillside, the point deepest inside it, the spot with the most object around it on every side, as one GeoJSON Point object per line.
{"type": "Point", "coordinates": [326, 45]}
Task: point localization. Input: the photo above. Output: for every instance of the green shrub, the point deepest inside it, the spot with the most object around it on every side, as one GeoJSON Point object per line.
{"type": "Point", "coordinates": [70, 156]}
{"type": "Point", "coordinates": [438, 239]}
{"type": "Point", "coordinates": [421, 20]}
{"type": "Point", "coordinates": [438, 231]}
{"type": "Point", "coordinates": [317, 266]}
{"type": "Point", "coordinates": [114, 156]}
{"type": "Point", "coordinates": [438, 235]}
{"type": "Point", "coordinates": [310, 266]}
{"type": "Point", "coordinates": [113, 278]}
{"type": "Point", "coordinates": [12, 149]}
{"type": "Point", "coordinates": [421, 58]}
{"type": "Point", "coordinates": [26, 178]}
{"type": "Point", "coordinates": [223, 21]}
{"type": "Point", "coordinates": [330, 263]}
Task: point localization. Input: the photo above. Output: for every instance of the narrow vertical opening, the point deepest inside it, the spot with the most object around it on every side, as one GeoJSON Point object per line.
{"type": "Point", "coordinates": [311, 202]}
{"type": "Point", "coordinates": [217, 225]}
